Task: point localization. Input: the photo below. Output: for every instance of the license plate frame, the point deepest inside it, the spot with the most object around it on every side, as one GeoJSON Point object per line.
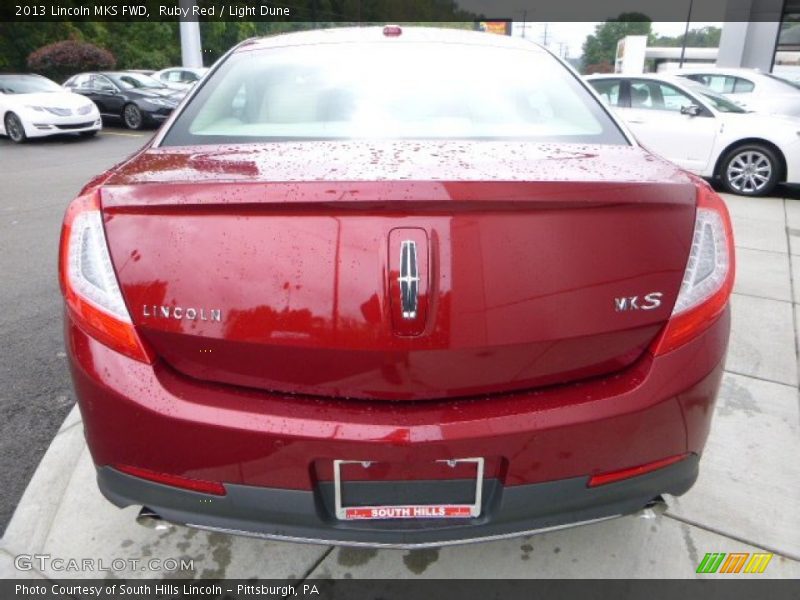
{"type": "Point", "coordinates": [409, 511]}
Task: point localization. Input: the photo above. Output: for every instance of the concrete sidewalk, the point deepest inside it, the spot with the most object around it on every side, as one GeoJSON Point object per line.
{"type": "Point", "coordinates": [746, 500]}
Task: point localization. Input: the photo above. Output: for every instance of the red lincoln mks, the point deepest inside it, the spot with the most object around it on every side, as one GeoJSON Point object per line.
{"type": "Point", "coordinates": [395, 286]}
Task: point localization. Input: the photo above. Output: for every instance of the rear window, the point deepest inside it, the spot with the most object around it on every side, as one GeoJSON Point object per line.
{"type": "Point", "coordinates": [392, 91]}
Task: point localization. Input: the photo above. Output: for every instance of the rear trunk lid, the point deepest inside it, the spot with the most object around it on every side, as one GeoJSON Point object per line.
{"type": "Point", "coordinates": [281, 267]}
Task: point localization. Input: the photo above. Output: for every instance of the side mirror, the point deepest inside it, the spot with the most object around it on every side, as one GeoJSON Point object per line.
{"type": "Point", "coordinates": [692, 110]}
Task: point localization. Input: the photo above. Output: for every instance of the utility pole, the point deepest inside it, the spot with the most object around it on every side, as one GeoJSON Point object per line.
{"type": "Point", "coordinates": [524, 22]}
{"type": "Point", "coordinates": [544, 35]}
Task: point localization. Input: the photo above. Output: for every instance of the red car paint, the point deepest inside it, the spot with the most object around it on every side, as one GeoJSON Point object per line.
{"type": "Point", "coordinates": [522, 272]}
{"type": "Point", "coordinates": [156, 418]}
{"type": "Point", "coordinates": [265, 338]}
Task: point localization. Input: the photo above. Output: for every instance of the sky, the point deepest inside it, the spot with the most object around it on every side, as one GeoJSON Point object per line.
{"type": "Point", "coordinates": [569, 37]}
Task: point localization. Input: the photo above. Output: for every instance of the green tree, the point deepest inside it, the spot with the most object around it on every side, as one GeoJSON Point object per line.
{"type": "Point", "coordinates": [155, 45]}
{"type": "Point", "coordinates": [601, 46]}
{"type": "Point", "coordinates": [18, 40]}
{"type": "Point", "coordinates": [137, 45]}
{"type": "Point", "coordinates": [703, 37]}
{"type": "Point", "coordinates": [61, 60]}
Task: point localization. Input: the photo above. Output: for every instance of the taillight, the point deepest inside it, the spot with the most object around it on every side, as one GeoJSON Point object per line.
{"type": "Point", "coordinates": [186, 483]}
{"type": "Point", "coordinates": [614, 476]}
{"type": "Point", "coordinates": [708, 279]}
{"type": "Point", "coordinates": [89, 283]}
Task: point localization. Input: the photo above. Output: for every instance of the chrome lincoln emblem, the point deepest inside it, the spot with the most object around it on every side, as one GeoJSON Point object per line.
{"type": "Point", "coordinates": [181, 313]}
{"type": "Point", "coordinates": [409, 279]}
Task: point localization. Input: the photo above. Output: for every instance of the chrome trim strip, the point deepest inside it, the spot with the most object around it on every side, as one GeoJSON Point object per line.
{"type": "Point", "coordinates": [488, 538]}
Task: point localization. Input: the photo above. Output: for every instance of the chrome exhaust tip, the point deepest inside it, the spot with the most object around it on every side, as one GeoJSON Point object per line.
{"type": "Point", "coordinates": [653, 509]}
{"type": "Point", "coordinates": [152, 520]}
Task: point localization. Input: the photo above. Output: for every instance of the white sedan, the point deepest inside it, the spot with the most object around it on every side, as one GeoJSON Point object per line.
{"type": "Point", "coordinates": [750, 89]}
{"type": "Point", "coordinates": [180, 78]}
{"type": "Point", "coordinates": [703, 132]}
{"type": "Point", "coordinates": [33, 106]}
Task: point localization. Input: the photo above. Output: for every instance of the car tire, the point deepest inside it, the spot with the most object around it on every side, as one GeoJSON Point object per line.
{"type": "Point", "coordinates": [14, 128]}
{"type": "Point", "coordinates": [132, 116]}
{"type": "Point", "coordinates": [88, 134]}
{"type": "Point", "coordinates": [750, 170]}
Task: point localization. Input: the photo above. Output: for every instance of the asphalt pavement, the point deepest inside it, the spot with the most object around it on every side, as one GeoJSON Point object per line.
{"type": "Point", "coordinates": [37, 181]}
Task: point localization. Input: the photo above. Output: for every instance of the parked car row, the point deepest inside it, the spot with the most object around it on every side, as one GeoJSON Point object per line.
{"type": "Point", "coordinates": [739, 126]}
{"type": "Point", "coordinates": [33, 106]}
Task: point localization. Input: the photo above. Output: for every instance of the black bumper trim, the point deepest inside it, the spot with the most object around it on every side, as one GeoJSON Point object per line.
{"type": "Point", "coordinates": [303, 515]}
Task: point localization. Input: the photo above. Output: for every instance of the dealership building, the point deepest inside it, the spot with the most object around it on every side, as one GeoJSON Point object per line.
{"type": "Point", "coordinates": [758, 34]}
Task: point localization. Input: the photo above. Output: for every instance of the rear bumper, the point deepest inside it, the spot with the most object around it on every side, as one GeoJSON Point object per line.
{"type": "Point", "coordinates": [274, 452]}
{"type": "Point", "coordinates": [299, 515]}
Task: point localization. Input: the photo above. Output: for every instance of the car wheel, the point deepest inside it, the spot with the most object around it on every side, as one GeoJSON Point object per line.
{"type": "Point", "coordinates": [88, 134]}
{"type": "Point", "coordinates": [132, 116]}
{"type": "Point", "coordinates": [750, 170]}
{"type": "Point", "coordinates": [14, 128]}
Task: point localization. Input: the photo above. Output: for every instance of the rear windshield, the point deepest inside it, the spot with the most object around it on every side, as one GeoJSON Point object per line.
{"type": "Point", "coordinates": [384, 91]}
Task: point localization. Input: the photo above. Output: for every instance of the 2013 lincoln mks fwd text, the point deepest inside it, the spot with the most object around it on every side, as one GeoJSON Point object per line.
{"type": "Point", "coordinates": [395, 286]}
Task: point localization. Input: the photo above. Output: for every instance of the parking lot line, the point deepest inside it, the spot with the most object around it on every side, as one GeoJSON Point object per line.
{"type": "Point", "coordinates": [122, 134]}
